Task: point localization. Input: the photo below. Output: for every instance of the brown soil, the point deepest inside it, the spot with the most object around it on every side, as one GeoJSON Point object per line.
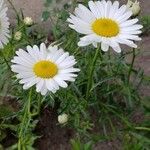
{"type": "Point", "coordinates": [53, 135]}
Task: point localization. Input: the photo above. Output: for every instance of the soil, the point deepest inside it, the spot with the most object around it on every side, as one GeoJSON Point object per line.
{"type": "Point", "coordinates": [53, 135]}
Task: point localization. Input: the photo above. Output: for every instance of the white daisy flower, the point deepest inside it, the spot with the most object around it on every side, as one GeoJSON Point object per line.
{"type": "Point", "coordinates": [4, 24]}
{"type": "Point", "coordinates": [47, 68]}
{"type": "Point", "coordinates": [106, 23]}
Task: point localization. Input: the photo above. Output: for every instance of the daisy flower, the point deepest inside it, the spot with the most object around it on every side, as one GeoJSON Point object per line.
{"type": "Point", "coordinates": [4, 24]}
{"type": "Point", "coordinates": [47, 68]}
{"type": "Point", "coordinates": [106, 23]}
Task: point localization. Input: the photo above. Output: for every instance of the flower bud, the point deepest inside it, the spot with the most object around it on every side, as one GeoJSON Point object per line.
{"type": "Point", "coordinates": [134, 7]}
{"type": "Point", "coordinates": [18, 36]}
{"type": "Point", "coordinates": [62, 118]}
{"type": "Point", "coordinates": [28, 21]}
{"type": "Point", "coordinates": [129, 3]}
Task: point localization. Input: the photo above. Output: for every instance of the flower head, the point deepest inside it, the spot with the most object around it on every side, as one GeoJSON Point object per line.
{"type": "Point", "coordinates": [4, 25]}
{"type": "Point", "coordinates": [47, 68]}
{"type": "Point", "coordinates": [28, 21]}
{"type": "Point", "coordinates": [106, 23]}
{"type": "Point", "coordinates": [62, 118]}
{"type": "Point", "coordinates": [17, 35]}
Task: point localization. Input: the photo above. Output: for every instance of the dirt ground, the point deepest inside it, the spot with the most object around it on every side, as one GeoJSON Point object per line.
{"type": "Point", "coordinates": [53, 136]}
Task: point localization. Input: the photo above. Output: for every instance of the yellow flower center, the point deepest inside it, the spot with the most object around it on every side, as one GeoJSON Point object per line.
{"type": "Point", "coordinates": [105, 27]}
{"type": "Point", "coordinates": [45, 69]}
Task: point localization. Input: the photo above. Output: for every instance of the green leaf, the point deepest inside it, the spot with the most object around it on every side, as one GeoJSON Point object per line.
{"type": "Point", "coordinates": [45, 15]}
{"type": "Point", "coordinates": [76, 145]}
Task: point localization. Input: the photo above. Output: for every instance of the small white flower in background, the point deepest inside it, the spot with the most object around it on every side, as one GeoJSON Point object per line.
{"type": "Point", "coordinates": [134, 7]}
{"type": "Point", "coordinates": [18, 36]}
{"type": "Point", "coordinates": [28, 21]}
{"type": "Point", "coordinates": [106, 23]}
{"type": "Point", "coordinates": [63, 118]}
{"type": "Point", "coordinates": [47, 68]}
{"type": "Point", "coordinates": [4, 25]}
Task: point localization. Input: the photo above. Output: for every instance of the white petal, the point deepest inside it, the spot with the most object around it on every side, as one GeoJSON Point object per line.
{"type": "Point", "coordinates": [129, 23]}
{"type": "Point", "coordinates": [62, 57]}
{"type": "Point", "coordinates": [39, 85]}
{"type": "Point", "coordinates": [69, 70]}
{"type": "Point", "coordinates": [43, 52]}
{"type": "Point", "coordinates": [127, 42]}
{"type": "Point", "coordinates": [124, 17]}
{"type": "Point", "coordinates": [25, 80]}
{"type": "Point", "coordinates": [61, 83]}
{"type": "Point", "coordinates": [84, 13]}
{"type": "Point", "coordinates": [104, 47]}
{"type": "Point", "coordinates": [94, 9]}
{"type": "Point", "coordinates": [79, 25]}
{"type": "Point", "coordinates": [115, 46]}
{"type": "Point", "coordinates": [52, 85]}
{"type": "Point", "coordinates": [44, 89]}
{"type": "Point", "coordinates": [115, 7]}
{"type": "Point", "coordinates": [32, 53]}
{"type": "Point", "coordinates": [30, 84]}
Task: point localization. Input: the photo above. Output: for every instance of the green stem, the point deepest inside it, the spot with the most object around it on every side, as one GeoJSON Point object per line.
{"type": "Point", "coordinates": [109, 74]}
{"type": "Point", "coordinates": [142, 128]}
{"type": "Point", "coordinates": [5, 59]}
{"type": "Point", "coordinates": [90, 79]}
{"type": "Point", "coordinates": [25, 121]}
{"type": "Point", "coordinates": [39, 106]}
{"type": "Point", "coordinates": [131, 66]}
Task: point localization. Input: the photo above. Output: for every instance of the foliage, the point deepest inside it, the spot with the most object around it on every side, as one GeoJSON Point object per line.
{"type": "Point", "coordinates": [146, 24]}
{"type": "Point", "coordinates": [99, 104]}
